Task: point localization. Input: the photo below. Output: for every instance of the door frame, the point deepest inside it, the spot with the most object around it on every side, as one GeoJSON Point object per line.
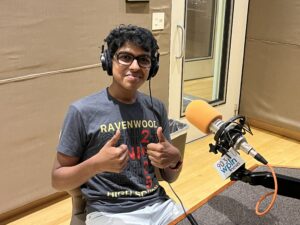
{"type": "Point", "coordinates": [234, 75]}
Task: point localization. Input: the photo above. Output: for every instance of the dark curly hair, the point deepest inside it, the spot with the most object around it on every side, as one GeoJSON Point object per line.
{"type": "Point", "coordinates": [139, 36]}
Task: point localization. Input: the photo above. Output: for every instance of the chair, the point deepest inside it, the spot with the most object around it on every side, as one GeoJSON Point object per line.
{"type": "Point", "coordinates": [78, 207]}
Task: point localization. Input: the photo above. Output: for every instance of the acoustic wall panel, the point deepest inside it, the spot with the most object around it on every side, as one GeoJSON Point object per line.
{"type": "Point", "coordinates": [270, 84]}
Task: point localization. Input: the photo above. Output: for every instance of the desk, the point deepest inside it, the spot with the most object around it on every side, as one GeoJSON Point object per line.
{"type": "Point", "coordinates": [234, 204]}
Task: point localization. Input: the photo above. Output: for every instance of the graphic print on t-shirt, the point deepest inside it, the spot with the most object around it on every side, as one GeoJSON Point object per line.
{"type": "Point", "coordinates": [136, 134]}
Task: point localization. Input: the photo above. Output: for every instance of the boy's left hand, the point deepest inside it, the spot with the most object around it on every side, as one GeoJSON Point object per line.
{"type": "Point", "coordinates": [163, 154]}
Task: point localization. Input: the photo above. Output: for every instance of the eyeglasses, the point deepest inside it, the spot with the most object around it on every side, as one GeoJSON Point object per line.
{"type": "Point", "coordinates": [126, 59]}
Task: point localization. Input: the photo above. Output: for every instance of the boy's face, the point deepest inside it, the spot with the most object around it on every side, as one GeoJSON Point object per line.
{"type": "Point", "coordinates": [127, 75]}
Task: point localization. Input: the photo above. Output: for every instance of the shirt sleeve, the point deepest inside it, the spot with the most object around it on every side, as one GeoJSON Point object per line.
{"type": "Point", "coordinates": [73, 134]}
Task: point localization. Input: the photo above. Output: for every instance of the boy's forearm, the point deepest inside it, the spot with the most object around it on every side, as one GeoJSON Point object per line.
{"type": "Point", "coordinates": [67, 178]}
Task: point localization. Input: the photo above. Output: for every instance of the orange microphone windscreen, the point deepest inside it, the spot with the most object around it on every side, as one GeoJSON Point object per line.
{"type": "Point", "coordinates": [201, 115]}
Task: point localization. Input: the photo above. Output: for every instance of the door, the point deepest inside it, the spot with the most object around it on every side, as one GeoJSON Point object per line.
{"type": "Point", "coordinates": [206, 56]}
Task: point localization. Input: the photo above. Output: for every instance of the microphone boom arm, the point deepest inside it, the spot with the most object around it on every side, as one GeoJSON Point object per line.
{"type": "Point", "coordinates": [287, 186]}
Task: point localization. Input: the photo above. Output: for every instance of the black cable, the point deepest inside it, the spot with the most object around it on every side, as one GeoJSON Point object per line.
{"type": "Point", "coordinates": [188, 216]}
{"type": "Point", "coordinates": [178, 199]}
{"type": "Point", "coordinates": [150, 94]}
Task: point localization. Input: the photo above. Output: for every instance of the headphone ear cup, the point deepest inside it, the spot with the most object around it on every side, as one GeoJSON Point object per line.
{"type": "Point", "coordinates": [106, 62]}
{"type": "Point", "coordinates": [103, 61]}
{"type": "Point", "coordinates": [153, 70]}
{"type": "Point", "coordinates": [154, 67]}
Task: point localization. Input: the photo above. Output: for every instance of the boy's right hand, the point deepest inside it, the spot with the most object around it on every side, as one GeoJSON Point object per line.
{"type": "Point", "coordinates": [111, 158]}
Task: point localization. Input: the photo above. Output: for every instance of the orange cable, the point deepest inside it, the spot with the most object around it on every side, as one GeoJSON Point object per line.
{"type": "Point", "coordinates": [266, 195]}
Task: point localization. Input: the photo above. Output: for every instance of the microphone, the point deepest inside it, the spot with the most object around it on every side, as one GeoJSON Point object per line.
{"type": "Point", "coordinates": [228, 134]}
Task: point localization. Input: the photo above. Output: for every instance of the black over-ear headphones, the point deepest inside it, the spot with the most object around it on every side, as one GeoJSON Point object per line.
{"type": "Point", "coordinates": [107, 63]}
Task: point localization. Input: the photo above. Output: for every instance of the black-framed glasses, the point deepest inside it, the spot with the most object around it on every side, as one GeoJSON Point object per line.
{"type": "Point", "coordinates": [126, 59]}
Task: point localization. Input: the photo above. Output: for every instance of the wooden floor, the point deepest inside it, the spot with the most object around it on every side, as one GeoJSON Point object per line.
{"type": "Point", "coordinates": [198, 178]}
{"type": "Point", "coordinates": [200, 88]}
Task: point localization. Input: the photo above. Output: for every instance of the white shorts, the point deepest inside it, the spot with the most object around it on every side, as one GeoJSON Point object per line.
{"type": "Point", "coordinates": [157, 214]}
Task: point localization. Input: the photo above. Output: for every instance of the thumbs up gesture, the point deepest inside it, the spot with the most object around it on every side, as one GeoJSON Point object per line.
{"type": "Point", "coordinates": [111, 158]}
{"type": "Point", "coordinates": [163, 154]}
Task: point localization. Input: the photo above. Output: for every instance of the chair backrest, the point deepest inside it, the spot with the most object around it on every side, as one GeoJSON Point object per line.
{"type": "Point", "coordinates": [78, 207]}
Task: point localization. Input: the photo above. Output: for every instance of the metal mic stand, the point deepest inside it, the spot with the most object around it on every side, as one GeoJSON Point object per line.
{"type": "Point", "coordinates": [287, 186]}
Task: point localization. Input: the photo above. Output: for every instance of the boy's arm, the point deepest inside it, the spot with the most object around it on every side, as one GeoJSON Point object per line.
{"type": "Point", "coordinates": [68, 174]}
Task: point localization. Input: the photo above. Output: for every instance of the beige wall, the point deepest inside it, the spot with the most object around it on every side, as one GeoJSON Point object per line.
{"type": "Point", "coordinates": [49, 55]}
{"type": "Point", "coordinates": [270, 86]}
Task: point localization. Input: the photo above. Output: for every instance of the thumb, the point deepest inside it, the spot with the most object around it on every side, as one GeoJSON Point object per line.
{"type": "Point", "coordinates": [160, 135]}
{"type": "Point", "coordinates": [113, 141]}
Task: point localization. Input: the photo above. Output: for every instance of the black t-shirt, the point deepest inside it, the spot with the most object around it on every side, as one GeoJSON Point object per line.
{"type": "Point", "coordinates": [90, 123]}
